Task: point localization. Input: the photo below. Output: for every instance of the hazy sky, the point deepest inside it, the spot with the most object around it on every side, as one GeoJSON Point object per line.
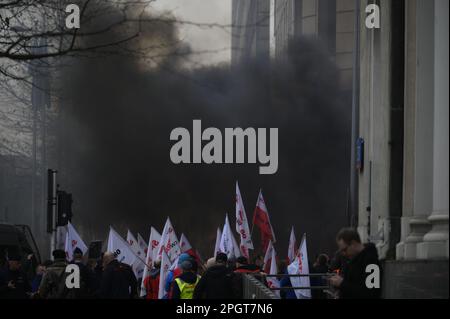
{"type": "Point", "coordinates": [203, 39]}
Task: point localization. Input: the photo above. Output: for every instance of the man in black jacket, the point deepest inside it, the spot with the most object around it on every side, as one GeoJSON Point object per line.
{"type": "Point", "coordinates": [118, 280]}
{"type": "Point", "coordinates": [353, 285]}
{"type": "Point", "coordinates": [13, 280]}
{"type": "Point", "coordinates": [216, 282]}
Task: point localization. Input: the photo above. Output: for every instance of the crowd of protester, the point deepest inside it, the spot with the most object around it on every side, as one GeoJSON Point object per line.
{"type": "Point", "coordinates": [219, 278]}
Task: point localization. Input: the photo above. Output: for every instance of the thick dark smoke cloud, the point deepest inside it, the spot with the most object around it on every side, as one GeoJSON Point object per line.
{"type": "Point", "coordinates": [116, 122]}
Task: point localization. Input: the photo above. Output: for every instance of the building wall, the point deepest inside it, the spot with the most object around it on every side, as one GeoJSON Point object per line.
{"type": "Point", "coordinates": [424, 218]}
{"type": "Point", "coordinates": [332, 22]}
{"type": "Point", "coordinates": [345, 25]}
{"type": "Point", "coordinates": [251, 30]}
{"type": "Point", "coordinates": [374, 122]}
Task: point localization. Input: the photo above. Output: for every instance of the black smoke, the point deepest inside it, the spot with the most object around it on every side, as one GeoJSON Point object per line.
{"type": "Point", "coordinates": [117, 116]}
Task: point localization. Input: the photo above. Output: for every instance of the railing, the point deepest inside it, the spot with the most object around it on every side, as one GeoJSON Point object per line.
{"type": "Point", "coordinates": [255, 289]}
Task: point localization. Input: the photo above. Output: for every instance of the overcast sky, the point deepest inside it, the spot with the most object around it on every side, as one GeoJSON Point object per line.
{"type": "Point", "coordinates": [203, 39]}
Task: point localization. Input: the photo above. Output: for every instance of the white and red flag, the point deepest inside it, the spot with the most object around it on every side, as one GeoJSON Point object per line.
{"type": "Point", "coordinates": [242, 225]}
{"type": "Point", "coordinates": [138, 265]}
{"type": "Point", "coordinates": [73, 240]}
{"type": "Point", "coordinates": [120, 248]}
{"type": "Point", "coordinates": [152, 253]}
{"type": "Point", "coordinates": [165, 267]}
{"type": "Point", "coordinates": [185, 246]}
{"type": "Point", "coordinates": [262, 220]}
{"type": "Point", "coordinates": [292, 251]}
{"type": "Point", "coordinates": [228, 244]}
{"type": "Point", "coordinates": [268, 257]}
{"type": "Point", "coordinates": [300, 266]}
{"type": "Point", "coordinates": [273, 282]}
{"type": "Point", "coordinates": [217, 245]}
{"type": "Point", "coordinates": [169, 242]}
{"type": "Point", "coordinates": [142, 244]}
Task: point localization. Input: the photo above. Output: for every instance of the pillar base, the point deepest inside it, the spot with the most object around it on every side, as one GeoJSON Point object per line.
{"type": "Point", "coordinates": [432, 250]}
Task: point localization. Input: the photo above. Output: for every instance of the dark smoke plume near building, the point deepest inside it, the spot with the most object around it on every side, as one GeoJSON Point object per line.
{"type": "Point", "coordinates": [117, 116]}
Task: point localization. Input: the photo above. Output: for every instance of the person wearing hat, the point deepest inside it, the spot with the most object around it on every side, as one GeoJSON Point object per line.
{"type": "Point", "coordinates": [13, 281]}
{"type": "Point", "coordinates": [184, 285]}
{"type": "Point", "coordinates": [51, 286]}
{"type": "Point", "coordinates": [216, 282]}
{"type": "Point", "coordinates": [177, 271]}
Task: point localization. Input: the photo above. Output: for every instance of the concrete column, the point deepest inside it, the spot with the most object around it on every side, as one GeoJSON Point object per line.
{"type": "Point", "coordinates": [419, 115]}
{"type": "Point", "coordinates": [435, 243]}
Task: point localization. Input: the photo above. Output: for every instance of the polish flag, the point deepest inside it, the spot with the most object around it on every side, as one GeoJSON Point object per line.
{"type": "Point", "coordinates": [292, 251]}
{"type": "Point", "coordinates": [262, 220]}
{"type": "Point", "coordinates": [242, 225]}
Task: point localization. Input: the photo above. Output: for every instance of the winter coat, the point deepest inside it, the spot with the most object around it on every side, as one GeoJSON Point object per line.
{"type": "Point", "coordinates": [118, 281]}
{"type": "Point", "coordinates": [354, 284]}
{"type": "Point", "coordinates": [216, 283]}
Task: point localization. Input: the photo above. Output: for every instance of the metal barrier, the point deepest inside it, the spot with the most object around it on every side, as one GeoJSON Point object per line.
{"type": "Point", "coordinates": [255, 289]}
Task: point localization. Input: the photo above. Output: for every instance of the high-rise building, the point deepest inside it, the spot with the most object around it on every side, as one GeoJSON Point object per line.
{"type": "Point", "coordinates": [251, 30]}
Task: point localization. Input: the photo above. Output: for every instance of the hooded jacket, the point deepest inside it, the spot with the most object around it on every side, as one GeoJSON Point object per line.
{"type": "Point", "coordinates": [354, 284]}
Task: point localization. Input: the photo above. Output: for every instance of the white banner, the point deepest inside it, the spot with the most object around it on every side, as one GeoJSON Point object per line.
{"type": "Point", "coordinates": [152, 252]}
{"type": "Point", "coordinates": [300, 267]}
{"type": "Point", "coordinates": [120, 248]}
{"type": "Point", "coordinates": [138, 265]}
{"type": "Point", "coordinates": [165, 266]}
{"type": "Point", "coordinates": [273, 282]}
{"type": "Point", "coordinates": [217, 245]}
{"type": "Point", "coordinates": [242, 224]}
{"type": "Point", "coordinates": [169, 242]}
{"type": "Point", "coordinates": [73, 240]}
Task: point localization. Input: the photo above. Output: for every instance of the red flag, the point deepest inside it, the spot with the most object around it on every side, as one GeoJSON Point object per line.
{"type": "Point", "coordinates": [262, 221]}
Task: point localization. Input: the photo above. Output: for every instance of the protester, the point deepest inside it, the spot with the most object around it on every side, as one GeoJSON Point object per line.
{"type": "Point", "coordinates": [259, 261]}
{"type": "Point", "coordinates": [285, 281]}
{"type": "Point", "coordinates": [40, 271]}
{"type": "Point", "coordinates": [87, 277]}
{"type": "Point", "coordinates": [177, 271]}
{"type": "Point", "coordinates": [184, 285]}
{"type": "Point", "coordinates": [320, 266]}
{"type": "Point", "coordinates": [352, 285]}
{"type": "Point", "coordinates": [210, 262]}
{"type": "Point", "coordinates": [216, 282]}
{"type": "Point", "coordinates": [151, 282]}
{"type": "Point", "coordinates": [243, 267]}
{"type": "Point", "coordinates": [118, 279]}
{"type": "Point", "coordinates": [13, 280]}
{"type": "Point", "coordinates": [53, 285]}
